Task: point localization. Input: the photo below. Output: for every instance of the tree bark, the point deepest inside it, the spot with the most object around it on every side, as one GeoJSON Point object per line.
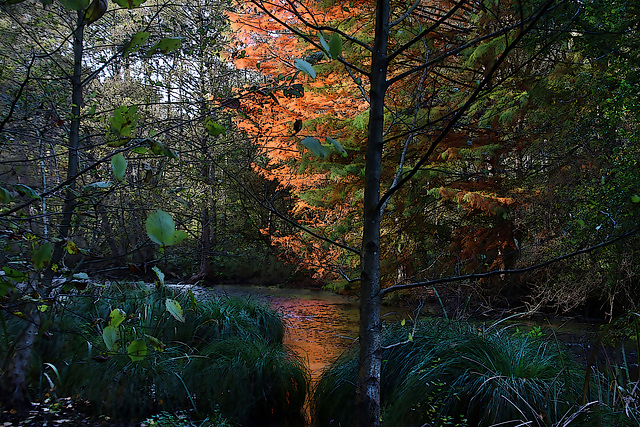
{"type": "Point", "coordinates": [368, 388]}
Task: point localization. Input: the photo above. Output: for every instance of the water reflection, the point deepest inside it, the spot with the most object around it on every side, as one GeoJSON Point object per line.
{"type": "Point", "coordinates": [320, 324]}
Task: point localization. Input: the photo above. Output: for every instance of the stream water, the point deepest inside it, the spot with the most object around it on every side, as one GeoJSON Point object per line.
{"type": "Point", "coordinates": [321, 325]}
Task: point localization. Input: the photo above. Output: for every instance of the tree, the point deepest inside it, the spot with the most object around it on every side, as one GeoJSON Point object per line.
{"type": "Point", "coordinates": [497, 40]}
{"type": "Point", "coordinates": [62, 50]}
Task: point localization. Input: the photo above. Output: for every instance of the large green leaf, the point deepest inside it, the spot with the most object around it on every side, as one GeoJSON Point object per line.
{"type": "Point", "coordinates": [165, 46]}
{"type": "Point", "coordinates": [335, 45]}
{"type": "Point", "coordinates": [160, 149]}
{"type": "Point", "coordinates": [305, 67]}
{"type": "Point", "coordinates": [116, 317]}
{"type": "Point", "coordinates": [159, 274]}
{"type": "Point", "coordinates": [174, 309]}
{"type": "Point", "coordinates": [213, 128]}
{"type": "Point", "coordinates": [110, 338]}
{"type": "Point", "coordinates": [137, 350]}
{"type": "Point", "coordinates": [27, 191]}
{"type": "Point", "coordinates": [325, 45]}
{"type": "Point", "coordinates": [316, 148]}
{"type": "Point", "coordinates": [119, 166]}
{"type": "Point", "coordinates": [337, 146]}
{"type": "Point", "coordinates": [121, 125]}
{"type": "Point", "coordinates": [5, 196]}
{"type": "Point", "coordinates": [155, 343]}
{"type": "Point", "coordinates": [137, 40]}
{"type": "Point", "coordinates": [42, 256]}
{"type": "Point", "coordinates": [161, 228]}
{"type": "Point", "coordinates": [129, 4]}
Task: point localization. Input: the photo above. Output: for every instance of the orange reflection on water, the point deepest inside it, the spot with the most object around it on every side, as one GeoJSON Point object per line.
{"type": "Point", "coordinates": [318, 331]}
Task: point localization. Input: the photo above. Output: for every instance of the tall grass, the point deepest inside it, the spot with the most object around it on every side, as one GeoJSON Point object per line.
{"type": "Point", "coordinates": [227, 357]}
{"type": "Point", "coordinates": [453, 374]}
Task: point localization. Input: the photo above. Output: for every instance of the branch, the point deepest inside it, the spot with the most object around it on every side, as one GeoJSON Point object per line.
{"type": "Point", "coordinates": [289, 221]}
{"type": "Point", "coordinates": [422, 34]}
{"type": "Point", "coordinates": [64, 183]}
{"type": "Point", "coordinates": [318, 28]}
{"type": "Point", "coordinates": [19, 94]}
{"type": "Point", "coordinates": [406, 14]}
{"type": "Point", "coordinates": [458, 115]}
{"type": "Point", "coordinates": [473, 276]}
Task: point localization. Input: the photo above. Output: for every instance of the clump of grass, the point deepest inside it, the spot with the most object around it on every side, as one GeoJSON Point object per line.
{"type": "Point", "coordinates": [450, 374]}
{"type": "Point", "coordinates": [227, 356]}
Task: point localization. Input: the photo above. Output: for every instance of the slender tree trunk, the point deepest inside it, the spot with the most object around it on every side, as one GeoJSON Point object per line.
{"type": "Point", "coordinates": [74, 145]}
{"type": "Point", "coordinates": [368, 398]}
{"type": "Point", "coordinates": [14, 384]}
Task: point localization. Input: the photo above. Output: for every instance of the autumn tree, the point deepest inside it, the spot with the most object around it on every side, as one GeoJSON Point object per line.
{"type": "Point", "coordinates": [439, 81]}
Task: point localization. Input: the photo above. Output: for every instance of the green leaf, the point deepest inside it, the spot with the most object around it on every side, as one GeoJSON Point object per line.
{"type": "Point", "coordinates": [316, 148]}
{"type": "Point", "coordinates": [213, 128]}
{"type": "Point", "coordinates": [635, 198]}
{"type": "Point", "coordinates": [179, 236]}
{"type": "Point", "coordinates": [137, 350]}
{"type": "Point", "coordinates": [119, 166]}
{"type": "Point", "coordinates": [294, 91]}
{"type": "Point", "coordinates": [137, 40]}
{"type": "Point", "coordinates": [410, 337]}
{"type": "Point", "coordinates": [335, 45]}
{"type": "Point", "coordinates": [75, 4]}
{"type": "Point", "coordinates": [116, 317]}
{"type": "Point", "coordinates": [325, 45]}
{"type": "Point", "coordinates": [305, 67]}
{"type": "Point", "coordinates": [160, 149]}
{"type": "Point", "coordinates": [6, 287]}
{"type": "Point", "coordinates": [403, 322]}
{"type": "Point", "coordinates": [161, 228]}
{"type": "Point", "coordinates": [337, 146]}
{"type": "Point", "coordinates": [159, 274]}
{"type": "Point", "coordinates": [96, 185]}
{"type": "Point", "coordinates": [129, 4]}
{"type": "Point", "coordinates": [110, 338]}
{"type": "Point", "coordinates": [5, 196]}
{"type": "Point", "coordinates": [122, 124]}
{"type": "Point", "coordinates": [16, 275]}
{"type": "Point", "coordinates": [165, 46]}
{"type": "Point", "coordinates": [155, 343]}
{"type": "Point", "coordinates": [192, 300]}
{"type": "Point", "coordinates": [27, 191]}
{"type": "Point", "coordinates": [140, 150]}
{"type": "Point", "coordinates": [42, 257]}
{"type": "Point", "coordinates": [174, 309]}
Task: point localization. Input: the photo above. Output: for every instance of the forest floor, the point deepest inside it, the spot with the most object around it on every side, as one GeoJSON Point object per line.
{"type": "Point", "coordinates": [57, 412]}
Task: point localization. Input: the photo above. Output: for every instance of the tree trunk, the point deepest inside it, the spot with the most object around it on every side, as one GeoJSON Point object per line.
{"type": "Point", "coordinates": [368, 389]}
{"type": "Point", "coordinates": [15, 384]}
{"type": "Point", "coordinates": [74, 145]}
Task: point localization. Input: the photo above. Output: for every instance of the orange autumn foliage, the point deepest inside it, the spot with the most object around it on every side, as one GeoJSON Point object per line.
{"type": "Point", "coordinates": [327, 192]}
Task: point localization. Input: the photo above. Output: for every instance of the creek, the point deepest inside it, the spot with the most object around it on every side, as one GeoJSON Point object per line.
{"type": "Point", "coordinates": [321, 325]}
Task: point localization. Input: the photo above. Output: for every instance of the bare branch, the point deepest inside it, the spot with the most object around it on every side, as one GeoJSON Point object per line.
{"type": "Point", "coordinates": [493, 273]}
